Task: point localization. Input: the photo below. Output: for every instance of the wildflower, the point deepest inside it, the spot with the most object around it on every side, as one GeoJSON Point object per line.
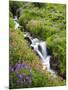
{"type": "Point", "coordinates": [23, 73]}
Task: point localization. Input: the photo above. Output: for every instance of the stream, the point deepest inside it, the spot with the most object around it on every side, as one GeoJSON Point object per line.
{"type": "Point", "coordinates": [40, 47]}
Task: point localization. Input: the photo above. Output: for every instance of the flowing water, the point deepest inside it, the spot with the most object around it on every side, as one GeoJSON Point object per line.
{"type": "Point", "coordinates": [39, 47]}
{"type": "Point", "coordinates": [16, 23]}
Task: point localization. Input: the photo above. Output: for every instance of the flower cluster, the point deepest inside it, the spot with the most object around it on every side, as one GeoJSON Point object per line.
{"type": "Point", "coordinates": [22, 72]}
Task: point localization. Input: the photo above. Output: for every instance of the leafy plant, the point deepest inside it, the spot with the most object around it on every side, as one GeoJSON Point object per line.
{"type": "Point", "coordinates": [11, 23]}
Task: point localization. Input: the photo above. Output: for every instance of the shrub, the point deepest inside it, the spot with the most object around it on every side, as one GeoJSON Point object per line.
{"type": "Point", "coordinates": [39, 29]}
{"type": "Point", "coordinates": [14, 5]}
{"type": "Point", "coordinates": [48, 23]}
{"type": "Point", "coordinates": [23, 20]}
{"type": "Point", "coordinates": [11, 23]}
{"type": "Point", "coordinates": [19, 49]}
{"type": "Point", "coordinates": [29, 14]}
{"type": "Point", "coordinates": [57, 45]}
{"type": "Point", "coordinates": [35, 27]}
{"type": "Point", "coordinates": [41, 80]}
{"type": "Point", "coordinates": [20, 52]}
{"type": "Point", "coordinates": [10, 14]}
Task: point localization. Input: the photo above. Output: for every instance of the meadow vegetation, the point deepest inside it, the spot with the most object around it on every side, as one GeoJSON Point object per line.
{"type": "Point", "coordinates": [46, 22]}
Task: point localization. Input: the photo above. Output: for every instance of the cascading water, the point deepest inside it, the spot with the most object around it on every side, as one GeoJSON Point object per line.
{"type": "Point", "coordinates": [16, 23]}
{"type": "Point", "coordinates": [39, 47]}
{"type": "Point", "coordinates": [44, 49]}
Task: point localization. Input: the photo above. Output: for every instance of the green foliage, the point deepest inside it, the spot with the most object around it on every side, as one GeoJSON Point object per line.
{"type": "Point", "coordinates": [57, 44]}
{"type": "Point", "coordinates": [28, 15]}
{"type": "Point", "coordinates": [12, 79]}
{"type": "Point", "coordinates": [42, 80]}
{"type": "Point", "coordinates": [35, 27]}
{"type": "Point", "coordinates": [47, 22]}
{"type": "Point", "coordinates": [20, 52]}
{"type": "Point", "coordinates": [14, 5]}
{"type": "Point", "coordinates": [10, 14]}
{"type": "Point", "coordinates": [23, 20]}
{"type": "Point", "coordinates": [19, 49]}
{"type": "Point", "coordinates": [11, 23]}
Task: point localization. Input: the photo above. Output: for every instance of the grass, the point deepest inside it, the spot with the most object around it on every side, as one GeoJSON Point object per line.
{"type": "Point", "coordinates": [47, 22]}
{"type": "Point", "coordinates": [20, 52]}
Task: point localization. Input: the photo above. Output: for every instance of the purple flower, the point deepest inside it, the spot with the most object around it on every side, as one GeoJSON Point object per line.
{"type": "Point", "coordinates": [23, 77]}
{"type": "Point", "coordinates": [28, 79]}
{"type": "Point", "coordinates": [18, 66]}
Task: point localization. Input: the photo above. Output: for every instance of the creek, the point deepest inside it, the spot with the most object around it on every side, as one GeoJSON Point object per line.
{"type": "Point", "coordinates": [40, 47]}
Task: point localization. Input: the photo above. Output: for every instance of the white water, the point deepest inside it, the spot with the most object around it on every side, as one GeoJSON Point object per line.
{"type": "Point", "coordinates": [16, 23]}
{"type": "Point", "coordinates": [39, 47]}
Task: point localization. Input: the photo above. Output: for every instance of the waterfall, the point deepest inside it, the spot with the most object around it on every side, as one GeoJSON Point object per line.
{"type": "Point", "coordinates": [39, 47]}
{"type": "Point", "coordinates": [16, 23]}
{"type": "Point", "coordinates": [44, 49]}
